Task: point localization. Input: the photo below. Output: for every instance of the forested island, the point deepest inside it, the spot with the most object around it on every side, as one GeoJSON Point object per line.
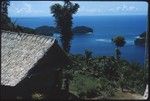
{"type": "Point", "coordinates": [140, 41]}
{"type": "Point", "coordinates": [50, 30]}
{"type": "Point", "coordinates": [46, 30]}
{"type": "Point", "coordinates": [82, 30]}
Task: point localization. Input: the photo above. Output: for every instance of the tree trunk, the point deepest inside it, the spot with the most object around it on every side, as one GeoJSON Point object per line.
{"type": "Point", "coordinates": [118, 53]}
{"type": "Point", "coordinates": [67, 85]}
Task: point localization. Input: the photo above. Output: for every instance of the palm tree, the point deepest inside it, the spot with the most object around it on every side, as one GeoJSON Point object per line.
{"type": "Point", "coordinates": [63, 18]}
{"type": "Point", "coordinates": [119, 41]}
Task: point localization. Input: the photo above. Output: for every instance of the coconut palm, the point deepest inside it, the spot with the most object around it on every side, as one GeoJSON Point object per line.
{"type": "Point", "coordinates": [119, 41]}
{"type": "Point", "coordinates": [63, 18]}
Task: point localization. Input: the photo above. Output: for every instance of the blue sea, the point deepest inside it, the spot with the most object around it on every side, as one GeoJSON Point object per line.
{"type": "Point", "coordinates": [105, 28]}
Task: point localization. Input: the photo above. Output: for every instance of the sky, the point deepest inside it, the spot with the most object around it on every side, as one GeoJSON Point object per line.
{"type": "Point", "coordinates": [87, 8]}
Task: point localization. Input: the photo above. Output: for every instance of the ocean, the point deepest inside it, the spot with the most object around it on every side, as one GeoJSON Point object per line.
{"type": "Point", "coordinates": [105, 28]}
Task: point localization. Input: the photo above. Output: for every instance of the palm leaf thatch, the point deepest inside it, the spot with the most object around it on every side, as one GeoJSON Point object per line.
{"type": "Point", "coordinates": [19, 53]}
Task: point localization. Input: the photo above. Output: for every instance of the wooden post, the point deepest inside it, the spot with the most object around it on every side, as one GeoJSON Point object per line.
{"type": "Point", "coordinates": [145, 96]}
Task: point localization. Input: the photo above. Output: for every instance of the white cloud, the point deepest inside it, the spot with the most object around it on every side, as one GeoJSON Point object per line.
{"type": "Point", "coordinates": [25, 8]}
{"type": "Point", "coordinates": [123, 8]}
{"type": "Point", "coordinates": [90, 10]}
{"type": "Point", "coordinates": [86, 11]}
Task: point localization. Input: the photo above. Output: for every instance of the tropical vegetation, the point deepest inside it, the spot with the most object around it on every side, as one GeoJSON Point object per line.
{"type": "Point", "coordinates": [63, 18]}
{"type": "Point", "coordinates": [102, 76]}
{"type": "Point", "coordinates": [119, 41]}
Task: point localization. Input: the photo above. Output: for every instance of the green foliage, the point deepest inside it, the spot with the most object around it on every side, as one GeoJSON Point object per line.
{"type": "Point", "coordinates": [119, 41]}
{"type": "Point", "coordinates": [103, 75]}
{"type": "Point", "coordinates": [25, 29]}
{"type": "Point", "coordinates": [87, 86]}
{"type": "Point", "coordinates": [5, 20]}
{"type": "Point", "coordinates": [4, 7]}
{"type": "Point", "coordinates": [136, 77]}
{"type": "Point", "coordinates": [96, 77]}
{"type": "Point", "coordinates": [84, 85]}
{"type": "Point", "coordinates": [63, 18]}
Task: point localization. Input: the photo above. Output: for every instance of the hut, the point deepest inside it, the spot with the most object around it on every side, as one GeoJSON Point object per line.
{"type": "Point", "coordinates": [30, 62]}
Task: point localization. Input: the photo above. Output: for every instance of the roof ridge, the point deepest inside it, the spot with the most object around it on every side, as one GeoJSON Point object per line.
{"type": "Point", "coordinates": [22, 36]}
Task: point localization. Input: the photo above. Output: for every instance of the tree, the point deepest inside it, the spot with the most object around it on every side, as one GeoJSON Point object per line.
{"type": "Point", "coordinates": [4, 6]}
{"type": "Point", "coordinates": [119, 41]}
{"type": "Point", "coordinates": [63, 18]}
{"type": "Point", "coordinates": [5, 20]}
{"type": "Point", "coordinates": [88, 55]}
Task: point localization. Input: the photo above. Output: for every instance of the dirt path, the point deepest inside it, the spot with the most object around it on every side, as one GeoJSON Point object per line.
{"type": "Point", "coordinates": [126, 95]}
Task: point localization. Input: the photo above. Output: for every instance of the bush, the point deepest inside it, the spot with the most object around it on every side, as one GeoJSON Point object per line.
{"type": "Point", "coordinates": [87, 87]}
{"type": "Point", "coordinates": [136, 77]}
{"type": "Point", "coordinates": [84, 85]}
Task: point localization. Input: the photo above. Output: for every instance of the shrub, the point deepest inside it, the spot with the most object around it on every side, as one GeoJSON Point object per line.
{"type": "Point", "coordinates": [87, 86]}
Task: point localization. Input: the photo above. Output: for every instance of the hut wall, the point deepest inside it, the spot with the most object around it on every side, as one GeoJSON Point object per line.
{"type": "Point", "coordinates": [44, 75]}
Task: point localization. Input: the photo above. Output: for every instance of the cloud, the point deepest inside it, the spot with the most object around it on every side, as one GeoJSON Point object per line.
{"type": "Point", "coordinates": [123, 8]}
{"type": "Point", "coordinates": [25, 8]}
{"type": "Point", "coordinates": [114, 9]}
{"type": "Point", "coordinates": [94, 10]}
{"type": "Point", "coordinates": [86, 11]}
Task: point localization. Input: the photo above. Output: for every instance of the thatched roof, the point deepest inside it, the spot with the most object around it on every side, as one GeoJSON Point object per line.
{"type": "Point", "coordinates": [19, 53]}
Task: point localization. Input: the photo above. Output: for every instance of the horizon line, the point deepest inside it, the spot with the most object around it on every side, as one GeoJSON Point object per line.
{"type": "Point", "coordinates": [78, 15]}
